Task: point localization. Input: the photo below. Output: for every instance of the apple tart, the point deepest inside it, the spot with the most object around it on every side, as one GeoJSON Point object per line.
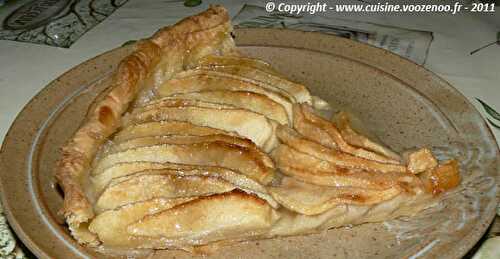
{"type": "Point", "coordinates": [193, 144]}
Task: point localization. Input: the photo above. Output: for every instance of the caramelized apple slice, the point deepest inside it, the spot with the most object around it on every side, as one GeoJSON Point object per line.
{"type": "Point", "coordinates": [218, 75]}
{"type": "Point", "coordinates": [238, 180]}
{"type": "Point", "coordinates": [179, 102]}
{"type": "Point", "coordinates": [320, 172]}
{"type": "Point", "coordinates": [186, 140]}
{"type": "Point", "coordinates": [298, 91]}
{"type": "Point", "coordinates": [111, 226]}
{"type": "Point", "coordinates": [196, 81]}
{"type": "Point", "coordinates": [354, 138]}
{"type": "Point", "coordinates": [325, 133]}
{"type": "Point", "coordinates": [340, 159]}
{"type": "Point", "coordinates": [213, 60]}
{"type": "Point", "coordinates": [215, 153]}
{"type": "Point", "coordinates": [100, 181]}
{"type": "Point", "coordinates": [157, 128]}
{"type": "Point", "coordinates": [246, 123]}
{"type": "Point", "coordinates": [227, 216]}
{"type": "Point", "coordinates": [124, 169]}
{"type": "Point", "coordinates": [158, 184]}
{"type": "Point", "coordinates": [311, 199]}
{"type": "Point", "coordinates": [255, 102]}
{"type": "Point", "coordinates": [442, 178]}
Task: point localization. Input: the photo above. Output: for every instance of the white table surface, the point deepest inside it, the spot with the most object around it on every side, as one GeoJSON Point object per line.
{"type": "Point", "coordinates": [26, 68]}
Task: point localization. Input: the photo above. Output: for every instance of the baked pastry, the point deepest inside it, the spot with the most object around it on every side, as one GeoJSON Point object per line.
{"type": "Point", "coordinates": [194, 144]}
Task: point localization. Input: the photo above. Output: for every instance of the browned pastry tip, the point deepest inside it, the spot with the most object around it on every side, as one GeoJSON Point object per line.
{"type": "Point", "coordinates": [214, 16]}
{"type": "Point", "coordinates": [442, 178]}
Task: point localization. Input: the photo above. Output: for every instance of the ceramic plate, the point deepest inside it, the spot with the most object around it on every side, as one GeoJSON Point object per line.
{"type": "Point", "coordinates": [402, 103]}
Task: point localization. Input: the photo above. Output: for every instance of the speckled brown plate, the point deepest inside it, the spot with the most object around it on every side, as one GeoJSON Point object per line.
{"type": "Point", "coordinates": [402, 103]}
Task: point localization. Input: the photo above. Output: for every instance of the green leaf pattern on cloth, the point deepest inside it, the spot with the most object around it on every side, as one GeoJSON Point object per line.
{"type": "Point", "coordinates": [192, 3]}
{"type": "Point", "coordinates": [491, 247]}
{"type": "Point", "coordinates": [495, 116]}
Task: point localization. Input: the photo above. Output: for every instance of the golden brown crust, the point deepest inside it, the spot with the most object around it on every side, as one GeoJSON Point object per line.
{"type": "Point", "coordinates": [182, 30]}
{"type": "Point", "coordinates": [99, 124]}
{"type": "Point", "coordinates": [104, 116]}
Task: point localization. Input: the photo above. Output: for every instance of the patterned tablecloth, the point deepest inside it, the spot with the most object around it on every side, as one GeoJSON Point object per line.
{"type": "Point", "coordinates": [453, 38]}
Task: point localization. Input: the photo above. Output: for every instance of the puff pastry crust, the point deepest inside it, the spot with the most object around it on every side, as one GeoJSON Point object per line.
{"type": "Point", "coordinates": [193, 144]}
{"type": "Point", "coordinates": [153, 61]}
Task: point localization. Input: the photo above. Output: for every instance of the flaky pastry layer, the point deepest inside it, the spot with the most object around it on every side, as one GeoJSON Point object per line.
{"type": "Point", "coordinates": [153, 61]}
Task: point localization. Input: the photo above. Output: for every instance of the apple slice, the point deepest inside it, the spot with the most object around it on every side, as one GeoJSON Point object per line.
{"type": "Point", "coordinates": [248, 124]}
{"type": "Point", "coordinates": [236, 158]}
{"type": "Point", "coordinates": [312, 170]}
{"type": "Point", "coordinates": [196, 81]}
{"type": "Point", "coordinates": [354, 138]}
{"type": "Point", "coordinates": [226, 216]}
{"type": "Point", "coordinates": [186, 140]}
{"type": "Point", "coordinates": [152, 184]}
{"type": "Point", "coordinates": [255, 102]}
{"type": "Point", "coordinates": [240, 181]}
{"type": "Point", "coordinates": [111, 225]}
{"type": "Point", "coordinates": [296, 141]}
{"type": "Point", "coordinates": [213, 60]}
{"type": "Point", "coordinates": [158, 128]}
{"type": "Point", "coordinates": [324, 132]}
{"type": "Point", "coordinates": [309, 199]}
{"type": "Point", "coordinates": [298, 91]}
{"type": "Point", "coordinates": [100, 181]}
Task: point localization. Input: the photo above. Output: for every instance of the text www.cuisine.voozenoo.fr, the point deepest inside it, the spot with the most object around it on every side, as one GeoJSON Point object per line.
{"type": "Point", "coordinates": [318, 7]}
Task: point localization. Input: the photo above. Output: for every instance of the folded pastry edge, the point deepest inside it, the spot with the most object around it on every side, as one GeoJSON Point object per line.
{"type": "Point", "coordinates": [104, 115]}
